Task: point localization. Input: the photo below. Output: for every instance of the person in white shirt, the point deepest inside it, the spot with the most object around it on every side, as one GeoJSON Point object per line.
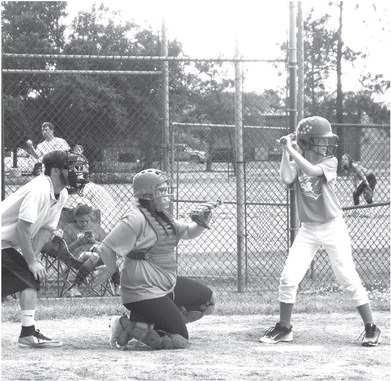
{"type": "Point", "coordinates": [28, 217]}
{"type": "Point", "coordinates": [51, 143]}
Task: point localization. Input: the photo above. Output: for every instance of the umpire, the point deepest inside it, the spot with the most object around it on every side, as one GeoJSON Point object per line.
{"type": "Point", "coordinates": [28, 216]}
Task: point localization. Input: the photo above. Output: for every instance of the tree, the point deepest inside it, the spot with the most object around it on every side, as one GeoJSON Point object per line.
{"type": "Point", "coordinates": [323, 53]}
{"type": "Point", "coordinates": [27, 27]}
{"type": "Point", "coordinates": [129, 104]}
{"type": "Point", "coordinates": [33, 26]}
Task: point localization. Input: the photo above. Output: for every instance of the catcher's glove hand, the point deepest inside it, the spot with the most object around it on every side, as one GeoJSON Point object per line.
{"type": "Point", "coordinates": [202, 214]}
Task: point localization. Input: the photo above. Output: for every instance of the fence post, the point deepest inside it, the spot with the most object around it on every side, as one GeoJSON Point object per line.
{"type": "Point", "coordinates": [2, 158]}
{"type": "Point", "coordinates": [166, 112]}
{"type": "Point", "coordinates": [292, 106]}
{"type": "Point", "coordinates": [240, 206]}
{"type": "Point", "coordinates": [300, 54]}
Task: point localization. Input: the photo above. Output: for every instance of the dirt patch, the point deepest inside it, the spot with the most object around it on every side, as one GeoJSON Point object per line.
{"type": "Point", "coordinates": [326, 347]}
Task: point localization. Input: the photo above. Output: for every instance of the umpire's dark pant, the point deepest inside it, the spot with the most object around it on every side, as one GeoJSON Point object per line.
{"type": "Point", "coordinates": [15, 274]}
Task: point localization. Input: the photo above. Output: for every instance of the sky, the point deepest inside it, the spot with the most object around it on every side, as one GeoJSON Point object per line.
{"type": "Point", "coordinates": [210, 29]}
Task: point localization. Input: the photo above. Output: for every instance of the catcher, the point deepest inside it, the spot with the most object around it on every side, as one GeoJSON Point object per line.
{"type": "Point", "coordinates": [367, 178]}
{"type": "Point", "coordinates": [159, 301]}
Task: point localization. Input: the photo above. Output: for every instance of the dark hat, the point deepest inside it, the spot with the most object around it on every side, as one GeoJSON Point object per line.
{"type": "Point", "coordinates": [55, 159]}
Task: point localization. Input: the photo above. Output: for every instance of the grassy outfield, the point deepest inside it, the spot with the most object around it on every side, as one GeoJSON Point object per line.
{"type": "Point", "coordinates": [227, 304]}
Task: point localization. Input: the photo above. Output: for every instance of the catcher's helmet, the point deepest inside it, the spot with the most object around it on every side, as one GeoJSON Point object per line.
{"type": "Point", "coordinates": [315, 134]}
{"type": "Point", "coordinates": [78, 170]}
{"type": "Point", "coordinates": [153, 184]}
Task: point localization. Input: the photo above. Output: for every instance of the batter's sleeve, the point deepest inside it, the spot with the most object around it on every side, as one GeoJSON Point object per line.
{"type": "Point", "coordinates": [329, 168]}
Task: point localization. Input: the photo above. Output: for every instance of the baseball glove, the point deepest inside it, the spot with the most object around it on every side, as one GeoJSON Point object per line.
{"type": "Point", "coordinates": [202, 214]}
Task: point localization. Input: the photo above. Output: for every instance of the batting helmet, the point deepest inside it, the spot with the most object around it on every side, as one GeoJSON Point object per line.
{"type": "Point", "coordinates": [314, 133]}
{"type": "Point", "coordinates": [153, 184]}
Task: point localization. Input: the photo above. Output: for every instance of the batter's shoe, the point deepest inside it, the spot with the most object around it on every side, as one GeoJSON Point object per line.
{"type": "Point", "coordinates": [38, 341]}
{"type": "Point", "coordinates": [277, 334]}
{"type": "Point", "coordinates": [371, 336]}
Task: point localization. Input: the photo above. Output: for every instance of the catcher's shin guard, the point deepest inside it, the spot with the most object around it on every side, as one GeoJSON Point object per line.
{"type": "Point", "coordinates": [145, 333]}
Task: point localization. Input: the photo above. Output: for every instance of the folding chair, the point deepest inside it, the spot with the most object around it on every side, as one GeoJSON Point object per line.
{"type": "Point", "coordinates": [63, 266]}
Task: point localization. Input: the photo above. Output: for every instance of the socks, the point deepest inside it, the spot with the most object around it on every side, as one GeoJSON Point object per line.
{"type": "Point", "coordinates": [28, 317]}
{"type": "Point", "coordinates": [286, 314]}
{"type": "Point", "coordinates": [28, 321]}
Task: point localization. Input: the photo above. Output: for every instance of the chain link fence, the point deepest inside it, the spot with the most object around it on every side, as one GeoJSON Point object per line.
{"type": "Point", "coordinates": [221, 146]}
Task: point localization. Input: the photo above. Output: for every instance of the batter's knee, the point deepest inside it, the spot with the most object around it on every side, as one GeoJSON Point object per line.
{"type": "Point", "coordinates": [287, 291]}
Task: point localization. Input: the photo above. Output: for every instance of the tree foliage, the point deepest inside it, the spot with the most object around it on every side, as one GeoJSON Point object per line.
{"type": "Point", "coordinates": [97, 110]}
{"type": "Point", "coordinates": [33, 26]}
{"type": "Point", "coordinates": [83, 106]}
{"type": "Point", "coordinates": [27, 27]}
{"type": "Point", "coordinates": [321, 56]}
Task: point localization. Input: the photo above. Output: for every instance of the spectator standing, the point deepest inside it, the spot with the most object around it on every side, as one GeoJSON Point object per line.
{"type": "Point", "coordinates": [51, 143]}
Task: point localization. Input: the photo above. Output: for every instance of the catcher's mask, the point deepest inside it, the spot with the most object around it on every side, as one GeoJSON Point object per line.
{"type": "Point", "coordinates": [154, 185]}
{"type": "Point", "coordinates": [78, 170]}
{"type": "Point", "coordinates": [315, 134]}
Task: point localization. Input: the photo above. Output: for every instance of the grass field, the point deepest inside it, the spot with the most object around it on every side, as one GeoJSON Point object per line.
{"type": "Point", "coordinates": [223, 347]}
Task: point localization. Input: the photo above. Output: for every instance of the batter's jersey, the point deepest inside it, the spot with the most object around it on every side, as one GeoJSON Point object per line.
{"type": "Point", "coordinates": [315, 197]}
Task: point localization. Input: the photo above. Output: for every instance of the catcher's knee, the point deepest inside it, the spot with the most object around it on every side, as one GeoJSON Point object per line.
{"type": "Point", "coordinates": [205, 309]}
{"type": "Point", "coordinates": [209, 307]}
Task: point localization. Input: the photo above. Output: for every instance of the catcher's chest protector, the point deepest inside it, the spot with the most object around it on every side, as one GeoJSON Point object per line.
{"type": "Point", "coordinates": [166, 236]}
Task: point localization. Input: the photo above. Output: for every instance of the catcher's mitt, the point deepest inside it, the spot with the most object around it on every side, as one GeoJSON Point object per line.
{"type": "Point", "coordinates": [202, 214]}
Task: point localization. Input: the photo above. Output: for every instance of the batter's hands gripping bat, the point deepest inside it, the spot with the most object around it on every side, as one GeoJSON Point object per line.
{"type": "Point", "coordinates": [283, 140]}
{"type": "Point", "coordinates": [202, 214]}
